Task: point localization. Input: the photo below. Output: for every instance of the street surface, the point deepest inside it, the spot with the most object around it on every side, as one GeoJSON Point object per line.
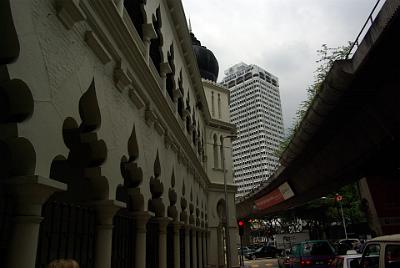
{"type": "Point", "coordinates": [261, 263]}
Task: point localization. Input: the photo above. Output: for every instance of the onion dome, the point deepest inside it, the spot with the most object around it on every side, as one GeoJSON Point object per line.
{"type": "Point", "coordinates": [208, 64]}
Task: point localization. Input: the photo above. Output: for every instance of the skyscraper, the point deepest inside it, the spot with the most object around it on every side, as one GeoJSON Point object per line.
{"type": "Point", "coordinates": [255, 108]}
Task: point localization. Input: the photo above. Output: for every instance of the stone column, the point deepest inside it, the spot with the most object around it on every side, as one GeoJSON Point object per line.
{"type": "Point", "coordinates": [120, 6]}
{"type": "Point", "coordinates": [30, 193]}
{"type": "Point", "coordinates": [105, 212]}
{"type": "Point", "coordinates": [148, 34]}
{"type": "Point", "coordinates": [194, 247]}
{"type": "Point", "coordinates": [177, 248]}
{"type": "Point", "coordinates": [165, 69]}
{"type": "Point", "coordinates": [187, 246]}
{"type": "Point", "coordinates": [208, 257]}
{"type": "Point", "coordinates": [162, 242]}
{"type": "Point", "coordinates": [200, 248]}
{"type": "Point", "coordinates": [204, 238]}
{"type": "Point", "coordinates": [234, 253]}
{"type": "Point", "coordinates": [141, 219]}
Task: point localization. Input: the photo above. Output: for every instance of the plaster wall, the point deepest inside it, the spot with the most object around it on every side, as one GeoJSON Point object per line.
{"type": "Point", "coordinates": [216, 195]}
{"type": "Point", "coordinates": [60, 62]}
{"type": "Point", "coordinates": [221, 112]}
{"type": "Point", "coordinates": [216, 174]}
{"type": "Point", "coordinates": [59, 66]}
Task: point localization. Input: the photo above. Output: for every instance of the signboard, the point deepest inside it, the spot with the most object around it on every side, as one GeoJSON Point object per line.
{"type": "Point", "coordinates": [280, 194]}
{"type": "Point", "coordinates": [338, 198]}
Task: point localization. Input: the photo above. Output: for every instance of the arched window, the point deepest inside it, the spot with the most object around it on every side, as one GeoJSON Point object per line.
{"type": "Point", "coordinates": [170, 83]}
{"type": "Point", "coordinates": [194, 137]}
{"type": "Point", "coordinates": [221, 210]}
{"type": "Point", "coordinates": [212, 104]}
{"type": "Point", "coordinates": [194, 128]}
{"type": "Point", "coordinates": [198, 141]}
{"type": "Point", "coordinates": [135, 9]}
{"type": "Point", "coordinates": [180, 107]}
{"type": "Point", "coordinates": [180, 99]}
{"type": "Point", "coordinates": [215, 151]}
{"type": "Point", "coordinates": [156, 54]}
{"type": "Point", "coordinates": [188, 124]}
{"type": "Point", "coordinates": [219, 106]}
{"type": "Point", "coordinates": [222, 152]}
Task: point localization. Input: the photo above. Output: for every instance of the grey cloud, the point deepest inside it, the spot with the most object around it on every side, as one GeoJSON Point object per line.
{"type": "Point", "coordinates": [281, 36]}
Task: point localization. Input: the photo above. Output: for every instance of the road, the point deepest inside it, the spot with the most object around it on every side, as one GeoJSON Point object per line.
{"type": "Point", "coordinates": [261, 263]}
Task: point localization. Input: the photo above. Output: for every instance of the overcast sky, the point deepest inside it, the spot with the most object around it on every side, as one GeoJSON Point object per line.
{"type": "Point", "coordinates": [281, 36]}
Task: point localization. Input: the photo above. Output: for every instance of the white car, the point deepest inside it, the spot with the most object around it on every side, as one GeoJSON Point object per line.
{"type": "Point", "coordinates": [380, 252]}
{"type": "Point", "coordinates": [343, 261]}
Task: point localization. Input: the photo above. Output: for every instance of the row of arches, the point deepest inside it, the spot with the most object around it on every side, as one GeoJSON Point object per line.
{"type": "Point", "coordinates": [175, 90]}
{"type": "Point", "coordinates": [82, 222]}
{"type": "Point", "coordinates": [70, 226]}
{"type": "Point", "coordinates": [213, 113]}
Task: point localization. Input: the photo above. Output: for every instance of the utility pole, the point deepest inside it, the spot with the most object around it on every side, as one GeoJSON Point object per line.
{"type": "Point", "coordinates": [339, 199]}
{"type": "Point", "coordinates": [227, 234]}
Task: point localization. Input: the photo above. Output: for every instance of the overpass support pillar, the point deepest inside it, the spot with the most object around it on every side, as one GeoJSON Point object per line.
{"type": "Point", "coordinates": [381, 203]}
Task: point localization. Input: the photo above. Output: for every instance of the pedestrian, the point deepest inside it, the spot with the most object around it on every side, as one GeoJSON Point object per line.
{"type": "Point", "coordinates": [63, 263]}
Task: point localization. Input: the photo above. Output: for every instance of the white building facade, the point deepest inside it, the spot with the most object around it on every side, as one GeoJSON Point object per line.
{"type": "Point", "coordinates": [255, 109]}
{"type": "Point", "coordinates": [107, 141]}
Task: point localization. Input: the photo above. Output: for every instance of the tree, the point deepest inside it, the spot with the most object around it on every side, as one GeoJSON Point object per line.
{"type": "Point", "coordinates": [327, 56]}
{"type": "Point", "coordinates": [317, 215]}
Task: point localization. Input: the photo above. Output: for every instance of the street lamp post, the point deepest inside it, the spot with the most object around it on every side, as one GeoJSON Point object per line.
{"type": "Point", "coordinates": [339, 199]}
{"type": "Point", "coordinates": [341, 211]}
{"type": "Point", "coordinates": [227, 235]}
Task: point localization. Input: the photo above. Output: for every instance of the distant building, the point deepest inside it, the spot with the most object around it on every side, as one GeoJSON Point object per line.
{"type": "Point", "coordinates": [255, 108]}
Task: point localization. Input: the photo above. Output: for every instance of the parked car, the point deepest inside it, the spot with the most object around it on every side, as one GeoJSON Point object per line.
{"type": "Point", "coordinates": [380, 252]}
{"type": "Point", "coordinates": [343, 245]}
{"type": "Point", "coordinates": [343, 261]}
{"type": "Point", "coordinates": [313, 253]}
{"type": "Point", "coordinates": [262, 252]}
{"type": "Point", "coordinates": [284, 259]}
{"type": "Point", "coordinates": [246, 251]}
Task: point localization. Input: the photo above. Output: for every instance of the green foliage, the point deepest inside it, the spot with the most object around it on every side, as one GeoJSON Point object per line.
{"type": "Point", "coordinates": [327, 56]}
{"type": "Point", "coordinates": [318, 215]}
{"type": "Point", "coordinates": [351, 206]}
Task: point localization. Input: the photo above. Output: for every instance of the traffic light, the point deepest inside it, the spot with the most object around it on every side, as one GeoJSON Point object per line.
{"type": "Point", "coordinates": [241, 227]}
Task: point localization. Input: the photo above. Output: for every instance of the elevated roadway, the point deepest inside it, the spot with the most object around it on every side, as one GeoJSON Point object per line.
{"type": "Point", "coordinates": [351, 131]}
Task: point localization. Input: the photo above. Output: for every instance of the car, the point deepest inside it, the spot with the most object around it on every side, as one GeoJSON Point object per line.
{"type": "Point", "coordinates": [352, 241]}
{"type": "Point", "coordinates": [311, 253]}
{"type": "Point", "coordinates": [255, 246]}
{"type": "Point", "coordinates": [246, 251]}
{"type": "Point", "coordinates": [343, 245]}
{"type": "Point", "coordinates": [262, 252]}
{"type": "Point", "coordinates": [343, 261]}
{"type": "Point", "coordinates": [380, 252]}
{"type": "Point", "coordinates": [284, 259]}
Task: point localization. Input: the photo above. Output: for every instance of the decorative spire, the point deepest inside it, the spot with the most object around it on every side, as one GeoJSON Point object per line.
{"type": "Point", "coordinates": [190, 26]}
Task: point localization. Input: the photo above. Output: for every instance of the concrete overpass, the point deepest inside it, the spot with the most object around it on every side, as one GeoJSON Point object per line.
{"type": "Point", "coordinates": [350, 132]}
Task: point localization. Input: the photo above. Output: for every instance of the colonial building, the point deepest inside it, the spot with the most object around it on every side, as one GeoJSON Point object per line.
{"type": "Point", "coordinates": [112, 146]}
